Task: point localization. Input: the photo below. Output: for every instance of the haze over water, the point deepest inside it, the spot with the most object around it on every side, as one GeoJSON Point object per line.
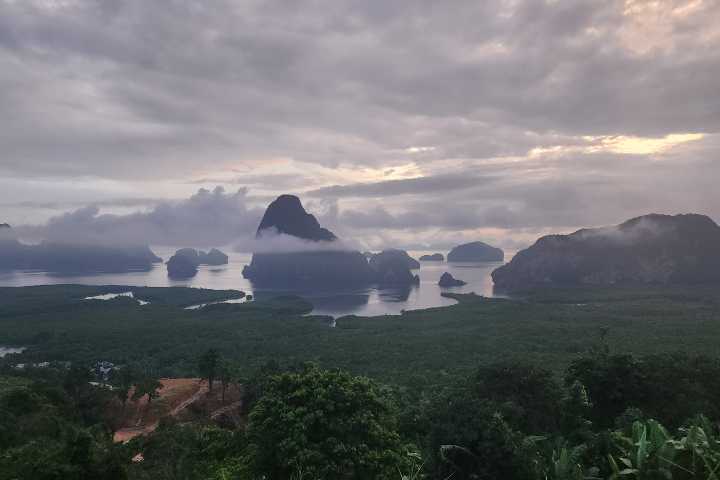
{"type": "Point", "coordinates": [364, 301]}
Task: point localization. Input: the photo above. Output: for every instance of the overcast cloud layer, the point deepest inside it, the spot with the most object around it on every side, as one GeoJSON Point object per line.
{"type": "Point", "coordinates": [407, 123]}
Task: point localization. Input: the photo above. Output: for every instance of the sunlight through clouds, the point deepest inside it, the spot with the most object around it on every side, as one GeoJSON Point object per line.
{"type": "Point", "coordinates": [661, 24]}
{"type": "Point", "coordinates": [419, 149]}
{"type": "Point", "coordinates": [639, 145]}
{"type": "Point", "coordinates": [619, 144]}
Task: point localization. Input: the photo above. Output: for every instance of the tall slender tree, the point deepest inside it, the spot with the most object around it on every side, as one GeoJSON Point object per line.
{"type": "Point", "coordinates": [226, 375]}
{"type": "Point", "coordinates": [126, 377]}
{"type": "Point", "coordinates": [208, 365]}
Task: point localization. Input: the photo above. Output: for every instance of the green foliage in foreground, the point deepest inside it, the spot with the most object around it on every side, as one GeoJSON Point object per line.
{"type": "Point", "coordinates": [650, 451]}
{"type": "Point", "coordinates": [514, 421]}
{"type": "Point", "coordinates": [178, 451]}
{"type": "Point", "coordinates": [508, 421]}
{"type": "Point", "coordinates": [48, 432]}
{"type": "Point", "coordinates": [324, 425]}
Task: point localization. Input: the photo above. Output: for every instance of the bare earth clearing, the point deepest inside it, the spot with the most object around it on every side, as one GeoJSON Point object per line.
{"type": "Point", "coordinates": [175, 395]}
{"type": "Point", "coordinates": [176, 398]}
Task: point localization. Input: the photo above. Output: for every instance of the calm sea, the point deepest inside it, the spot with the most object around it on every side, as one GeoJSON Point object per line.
{"type": "Point", "coordinates": [368, 301]}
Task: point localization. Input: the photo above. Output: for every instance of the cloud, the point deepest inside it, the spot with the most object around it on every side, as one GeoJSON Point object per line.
{"type": "Point", "coordinates": [251, 179]}
{"type": "Point", "coordinates": [509, 115]}
{"type": "Point", "coordinates": [336, 81]}
{"type": "Point", "coordinates": [208, 218]}
{"type": "Point", "coordinates": [411, 186]}
{"type": "Point", "coordinates": [274, 242]}
{"type": "Point", "coordinates": [114, 202]}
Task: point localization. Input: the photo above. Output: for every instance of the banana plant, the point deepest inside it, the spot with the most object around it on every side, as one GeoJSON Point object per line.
{"type": "Point", "coordinates": [651, 453]}
{"type": "Point", "coordinates": [566, 464]}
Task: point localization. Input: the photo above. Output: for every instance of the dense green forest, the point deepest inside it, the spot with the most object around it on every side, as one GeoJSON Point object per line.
{"type": "Point", "coordinates": [425, 346]}
{"type": "Point", "coordinates": [563, 385]}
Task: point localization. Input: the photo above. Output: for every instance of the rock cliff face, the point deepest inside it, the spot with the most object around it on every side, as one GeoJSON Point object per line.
{"type": "Point", "coordinates": [652, 249]}
{"type": "Point", "coordinates": [287, 215]}
{"type": "Point", "coordinates": [321, 265]}
{"type": "Point", "coordinates": [475, 252]}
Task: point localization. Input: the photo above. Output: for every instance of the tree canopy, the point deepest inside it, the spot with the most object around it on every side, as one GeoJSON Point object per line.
{"type": "Point", "coordinates": [324, 424]}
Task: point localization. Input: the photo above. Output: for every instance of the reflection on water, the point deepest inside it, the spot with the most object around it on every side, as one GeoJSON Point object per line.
{"type": "Point", "coordinates": [112, 296]}
{"type": "Point", "coordinates": [368, 301]}
{"type": "Point", "coordinates": [201, 305]}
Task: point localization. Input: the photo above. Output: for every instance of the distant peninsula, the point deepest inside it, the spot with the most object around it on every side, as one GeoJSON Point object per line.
{"type": "Point", "coordinates": [66, 258]}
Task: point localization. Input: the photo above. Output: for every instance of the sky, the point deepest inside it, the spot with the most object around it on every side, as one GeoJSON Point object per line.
{"type": "Point", "coordinates": [413, 123]}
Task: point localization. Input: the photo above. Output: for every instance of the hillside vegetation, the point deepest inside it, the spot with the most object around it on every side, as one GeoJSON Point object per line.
{"type": "Point", "coordinates": [557, 385]}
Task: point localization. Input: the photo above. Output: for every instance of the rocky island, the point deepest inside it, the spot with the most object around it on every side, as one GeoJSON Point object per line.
{"type": "Point", "coordinates": [475, 252]}
{"type": "Point", "coordinates": [648, 250]}
{"type": "Point", "coordinates": [435, 257]}
{"type": "Point", "coordinates": [213, 257]}
{"type": "Point", "coordinates": [392, 255]}
{"type": "Point", "coordinates": [287, 215]}
{"type": "Point", "coordinates": [318, 259]}
{"type": "Point", "coordinates": [392, 267]}
{"type": "Point", "coordinates": [185, 262]}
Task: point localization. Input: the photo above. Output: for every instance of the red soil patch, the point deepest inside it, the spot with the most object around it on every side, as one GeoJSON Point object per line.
{"type": "Point", "coordinates": [174, 396]}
